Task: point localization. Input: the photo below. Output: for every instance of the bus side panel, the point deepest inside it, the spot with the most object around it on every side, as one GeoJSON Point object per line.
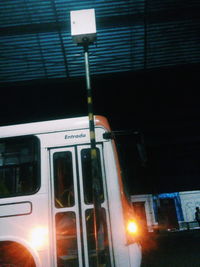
{"type": "Point", "coordinates": [125, 255]}
{"type": "Point", "coordinates": [135, 254]}
{"type": "Point", "coordinates": [115, 208]}
{"type": "Point", "coordinates": [29, 214]}
{"type": "Point", "coordinates": [21, 228]}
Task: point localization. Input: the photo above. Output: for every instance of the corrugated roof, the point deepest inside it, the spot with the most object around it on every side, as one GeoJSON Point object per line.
{"type": "Point", "coordinates": [35, 39]}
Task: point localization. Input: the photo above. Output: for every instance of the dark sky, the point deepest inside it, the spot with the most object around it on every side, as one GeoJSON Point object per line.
{"type": "Point", "coordinates": [163, 104]}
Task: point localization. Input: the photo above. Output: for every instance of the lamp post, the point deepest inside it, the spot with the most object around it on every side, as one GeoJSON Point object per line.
{"type": "Point", "coordinates": [83, 28]}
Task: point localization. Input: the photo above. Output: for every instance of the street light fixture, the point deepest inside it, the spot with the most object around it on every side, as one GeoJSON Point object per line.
{"type": "Point", "coordinates": [83, 31]}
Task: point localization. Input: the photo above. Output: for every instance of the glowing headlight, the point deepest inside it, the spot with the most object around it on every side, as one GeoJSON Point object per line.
{"type": "Point", "coordinates": [39, 237]}
{"type": "Point", "coordinates": [132, 227]}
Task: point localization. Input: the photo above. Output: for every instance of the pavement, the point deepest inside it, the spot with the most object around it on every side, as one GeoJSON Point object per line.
{"type": "Point", "coordinates": [172, 249]}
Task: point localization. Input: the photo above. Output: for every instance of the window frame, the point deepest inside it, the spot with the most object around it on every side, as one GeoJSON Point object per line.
{"type": "Point", "coordinates": [87, 194]}
{"type": "Point", "coordinates": [57, 180]}
{"type": "Point", "coordinates": [37, 148]}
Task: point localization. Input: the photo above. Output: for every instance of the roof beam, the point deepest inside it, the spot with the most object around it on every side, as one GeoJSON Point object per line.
{"type": "Point", "coordinates": [112, 21]}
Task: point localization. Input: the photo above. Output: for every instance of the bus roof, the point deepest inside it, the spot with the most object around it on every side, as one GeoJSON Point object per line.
{"type": "Point", "coordinates": [51, 126]}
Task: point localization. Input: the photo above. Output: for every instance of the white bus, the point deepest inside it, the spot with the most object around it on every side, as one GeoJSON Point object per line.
{"type": "Point", "coordinates": [46, 204]}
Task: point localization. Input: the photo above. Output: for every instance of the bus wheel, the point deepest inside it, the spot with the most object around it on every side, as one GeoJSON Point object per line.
{"type": "Point", "coordinates": [13, 254]}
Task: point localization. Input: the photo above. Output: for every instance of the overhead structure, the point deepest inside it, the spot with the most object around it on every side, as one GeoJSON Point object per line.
{"type": "Point", "coordinates": [35, 40]}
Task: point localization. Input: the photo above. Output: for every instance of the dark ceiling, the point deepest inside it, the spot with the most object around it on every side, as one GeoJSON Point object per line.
{"type": "Point", "coordinates": [132, 35]}
{"type": "Point", "coordinates": [145, 75]}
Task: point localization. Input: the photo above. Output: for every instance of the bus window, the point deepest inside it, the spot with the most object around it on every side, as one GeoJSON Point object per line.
{"type": "Point", "coordinates": [19, 166]}
{"type": "Point", "coordinates": [87, 175]}
{"type": "Point", "coordinates": [66, 239]}
{"type": "Point", "coordinates": [63, 179]}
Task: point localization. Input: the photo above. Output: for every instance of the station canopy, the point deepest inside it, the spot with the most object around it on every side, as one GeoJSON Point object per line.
{"type": "Point", "coordinates": [132, 35]}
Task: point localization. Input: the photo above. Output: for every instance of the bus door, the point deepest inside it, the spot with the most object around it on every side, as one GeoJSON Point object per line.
{"type": "Point", "coordinates": [72, 209]}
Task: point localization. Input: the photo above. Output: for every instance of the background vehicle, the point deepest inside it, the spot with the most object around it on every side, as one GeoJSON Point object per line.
{"type": "Point", "coordinates": [46, 202]}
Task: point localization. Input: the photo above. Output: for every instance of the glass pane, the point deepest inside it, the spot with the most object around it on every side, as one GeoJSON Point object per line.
{"type": "Point", "coordinates": [104, 256]}
{"type": "Point", "coordinates": [19, 166]}
{"type": "Point", "coordinates": [66, 240]}
{"type": "Point", "coordinates": [63, 179]}
{"type": "Point", "coordinates": [87, 175]}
